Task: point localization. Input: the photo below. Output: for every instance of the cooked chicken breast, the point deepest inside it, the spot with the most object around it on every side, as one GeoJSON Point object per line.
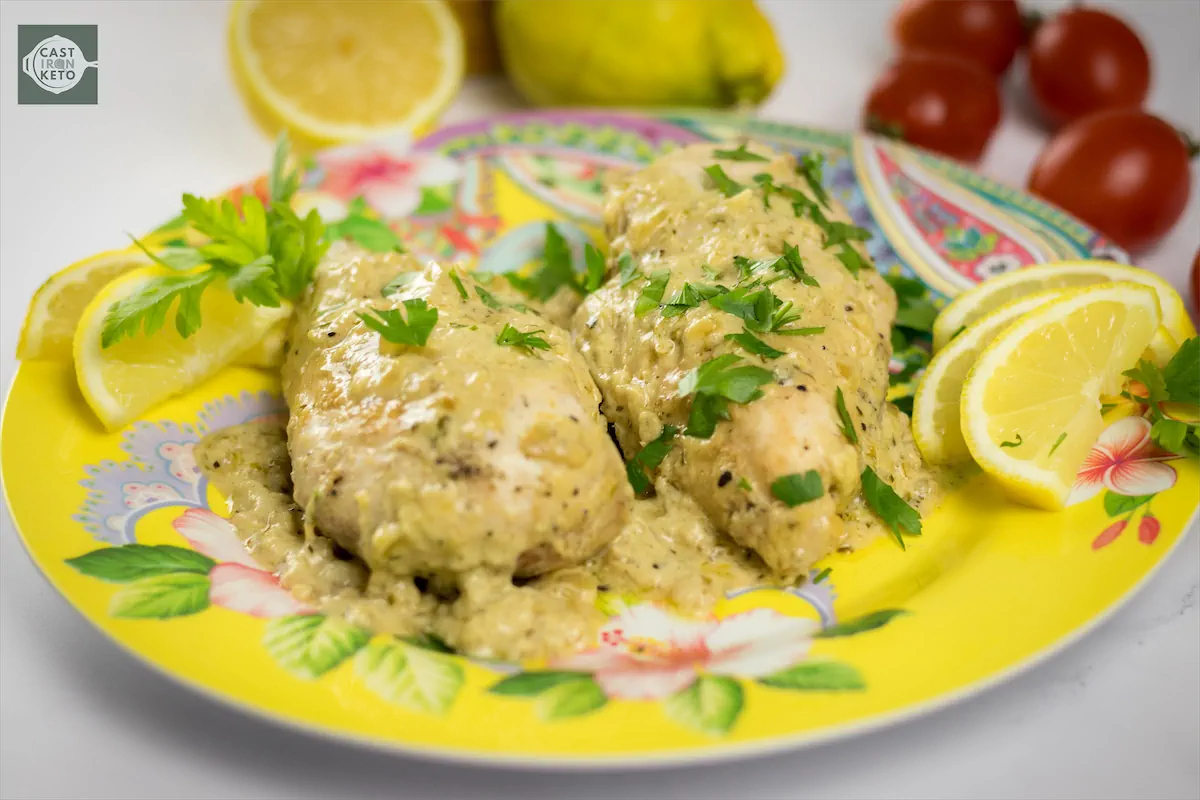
{"type": "Point", "coordinates": [672, 221]}
{"type": "Point", "coordinates": [464, 454]}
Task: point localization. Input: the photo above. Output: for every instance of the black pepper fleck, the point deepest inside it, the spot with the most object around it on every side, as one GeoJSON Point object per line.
{"type": "Point", "coordinates": [725, 478]}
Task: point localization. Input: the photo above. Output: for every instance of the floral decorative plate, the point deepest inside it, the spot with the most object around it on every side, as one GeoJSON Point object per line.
{"type": "Point", "coordinates": [129, 531]}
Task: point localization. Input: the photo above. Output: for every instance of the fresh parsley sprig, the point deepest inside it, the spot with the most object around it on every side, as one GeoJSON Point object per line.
{"type": "Point", "coordinates": [752, 344]}
{"type": "Point", "coordinates": [722, 182]}
{"type": "Point", "coordinates": [391, 325]}
{"type": "Point", "coordinates": [557, 270]}
{"type": "Point", "coordinates": [740, 154]}
{"type": "Point", "coordinates": [527, 341]}
{"type": "Point", "coordinates": [714, 385]}
{"type": "Point", "coordinates": [794, 490]}
{"type": "Point", "coordinates": [1177, 382]}
{"type": "Point", "coordinates": [844, 416]}
{"type": "Point", "coordinates": [899, 517]}
{"type": "Point", "coordinates": [648, 458]}
{"type": "Point", "coordinates": [264, 254]}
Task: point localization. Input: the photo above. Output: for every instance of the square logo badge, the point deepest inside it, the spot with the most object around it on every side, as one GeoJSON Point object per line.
{"type": "Point", "coordinates": [58, 65]}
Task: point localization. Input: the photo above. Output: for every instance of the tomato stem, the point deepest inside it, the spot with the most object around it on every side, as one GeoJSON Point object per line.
{"type": "Point", "coordinates": [1030, 20]}
{"type": "Point", "coordinates": [888, 130]}
{"type": "Point", "coordinates": [1192, 145]}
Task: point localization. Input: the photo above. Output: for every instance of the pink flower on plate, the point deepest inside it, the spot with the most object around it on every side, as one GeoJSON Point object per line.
{"type": "Point", "coordinates": [1124, 460]}
{"type": "Point", "coordinates": [389, 183]}
{"type": "Point", "coordinates": [238, 583]}
{"type": "Point", "coordinates": [648, 654]}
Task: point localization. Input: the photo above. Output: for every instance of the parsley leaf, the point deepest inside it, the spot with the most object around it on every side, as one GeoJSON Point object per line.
{"type": "Point", "coordinates": [851, 259]}
{"type": "Point", "coordinates": [1181, 376]}
{"type": "Point", "coordinates": [458, 284]}
{"type": "Point", "coordinates": [629, 271]}
{"type": "Point", "coordinates": [649, 457]}
{"type": "Point", "coordinates": [744, 485]}
{"type": "Point", "coordinates": [760, 310]}
{"type": "Point", "coordinates": [810, 168]}
{"type": "Point", "coordinates": [652, 292]}
{"type": "Point", "coordinates": [723, 183]}
{"type": "Point", "coordinates": [740, 154]}
{"type": "Point", "coordinates": [281, 183]}
{"type": "Point", "coordinates": [822, 575]}
{"type": "Point", "coordinates": [689, 297]}
{"type": "Point", "coordinates": [370, 233]}
{"type": "Point", "coordinates": [789, 264]}
{"type": "Point", "coordinates": [715, 384]}
{"type": "Point", "coordinates": [900, 518]}
{"type": "Point", "coordinates": [914, 308]}
{"type": "Point", "coordinates": [487, 298]}
{"type": "Point", "coordinates": [595, 268]}
{"type": "Point", "coordinates": [752, 344]}
{"type": "Point", "coordinates": [798, 489]}
{"type": "Point", "coordinates": [528, 342]}
{"type": "Point", "coordinates": [147, 307]}
{"type": "Point", "coordinates": [391, 325]}
{"type": "Point", "coordinates": [554, 272]}
{"type": "Point", "coordinates": [844, 416]}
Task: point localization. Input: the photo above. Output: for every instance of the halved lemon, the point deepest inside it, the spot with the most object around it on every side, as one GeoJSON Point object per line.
{"type": "Point", "coordinates": [123, 381]}
{"type": "Point", "coordinates": [1031, 404]}
{"type": "Point", "coordinates": [58, 303]}
{"type": "Point", "coordinates": [937, 418]}
{"type": "Point", "coordinates": [995, 292]}
{"type": "Point", "coordinates": [346, 71]}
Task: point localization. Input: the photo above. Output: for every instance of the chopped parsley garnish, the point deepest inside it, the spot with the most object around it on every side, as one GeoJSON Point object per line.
{"type": "Point", "coordinates": [511, 337]}
{"type": "Point", "coordinates": [752, 344]}
{"type": "Point", "coordinates": [740, 154]}
{"type": "Point", "coordinates": [822, 575]}
{"type": "Point", "coordinates": [1177, 382]}
{"type": "Point", "coordinates": [458, 284]}
{"type": "Point", "coordinates": [724, 184]}
{"type": "Point", "coordinates": [744, 484]}
{"type": "Point", "coordinates": [899, 517]}
{"type": "Point", "coordinates": [851, 260]}
{"type": "Point", "coordinates": [1062, 437]}
{"type": "Point", "coordinates": [487, 298]}
{"type": "Point", "coordinates": [652, 292]}
{"type": "Point", "coordinates": [798, 489]}
{"type": "Point", "coordinates": [629, 271]}
{"type": "Point", "coordinates": [715, 384]}
{"type": "Point", "coordinates": [787, 265]}
{"type": "Point", "coordinates": [839, 232]}
{"type": "Point", "coordinates": [689, 297]}
{"type": "Point", "coordinates": [366, 231]}
{"type": "Point", "coordinates": [264, 254]}
{"type": "Point", "coordinates": [810, 168]}
{"type": "Point", "coordinates": [844, 416]}
{"type": "Point", "coordinates": [555, 271]}
{"type": "Point", "coordinates": [760, 310]}
{"type": "Point", "coordinates": [649, 457]}
{"type": "Point", "coordinates": [595, 268]}
{"type": "Point", "coordinates": [709, 272]}
{"type": "Point", "coordinates": [392, 326]}
{"type": "Point", "coordinates": [1015, 443]}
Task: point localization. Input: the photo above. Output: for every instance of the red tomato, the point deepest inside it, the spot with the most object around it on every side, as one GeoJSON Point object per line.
{"type": "Point", "coordinates": [1085, 60]}
{"type": "Point", "coordinates": [935, 101]}
{"type": "Point", "coordinates": [1122, 171]}
{"type": "Point", "coordinates": [988, 32]}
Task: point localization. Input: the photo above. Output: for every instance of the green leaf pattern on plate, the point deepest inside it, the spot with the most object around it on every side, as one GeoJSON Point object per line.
{"type": "Point", "coordinates": [710, 705]}
{"type": "Point", "coordinates": [161, 596]}
{"type": "Point", "coordinates": [309, 645]}
{"type": "Point", "coordinates": [411, 677]}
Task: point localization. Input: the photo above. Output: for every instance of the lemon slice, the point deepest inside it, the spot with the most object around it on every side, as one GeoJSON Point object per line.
{"type": "Point", "coordinates": [937, 417]}
{"type": "Point", "coordinates": [123, 381]}
{"type": "Point", "coordinates": [339, 72]}
{"type": "Point", "coordinates": [59, 302]}
{"type": "Point", "coordinates": [1037, 386]}
{"type": "Point", "coordinates": [995, 292]}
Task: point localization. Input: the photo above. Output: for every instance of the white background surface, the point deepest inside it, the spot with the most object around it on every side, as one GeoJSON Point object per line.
{"type": "Point", "coordinates": [1117, 715]}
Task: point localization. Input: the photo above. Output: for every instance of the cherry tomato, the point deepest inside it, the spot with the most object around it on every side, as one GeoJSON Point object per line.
{"type": "Point", "coordinates": [988, 32]}
{"type": "Point", "coordinates": [1085, 60]}
{"type": "Point", "coordinates": [935, 101]}
{"type": "Point", "coordinates": [1122, 171]}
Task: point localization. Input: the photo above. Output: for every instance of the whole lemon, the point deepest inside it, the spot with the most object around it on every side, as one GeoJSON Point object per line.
{"type": "Point", "coordinates": [638, 52]}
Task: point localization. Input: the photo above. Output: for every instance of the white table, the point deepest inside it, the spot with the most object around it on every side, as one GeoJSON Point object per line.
{"type": "Point", "coordinates": [1117, 715]}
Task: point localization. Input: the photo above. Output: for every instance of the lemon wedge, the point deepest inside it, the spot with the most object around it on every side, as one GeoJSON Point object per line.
{"type": "Point", "coordinates": [1031, 403]}
{"type": "Point", "coordinates": [58, 303]}
{"type": "Point", "coordinates": [340, 72]}
{"type": "Point", "coordinates": [995, 292]}
{"type": "Point", "coordinates": [937, 417]}
{"type": "Point", "coordinates": [122, 381]}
